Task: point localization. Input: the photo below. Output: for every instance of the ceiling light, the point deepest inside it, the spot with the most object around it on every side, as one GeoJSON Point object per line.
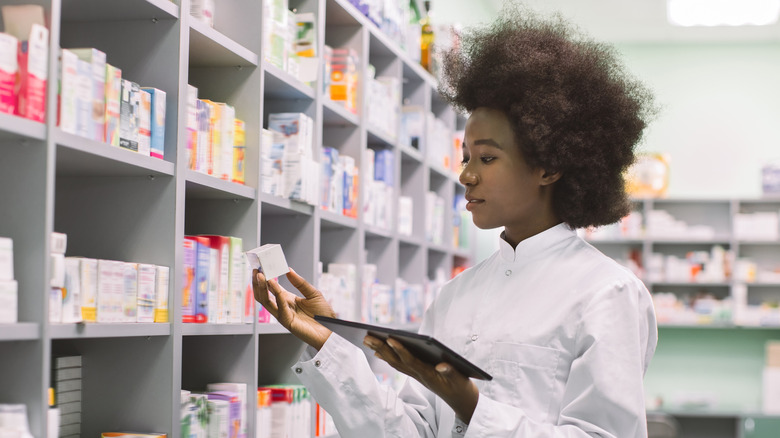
{"type": "Point", "coordinates": [722, 12]}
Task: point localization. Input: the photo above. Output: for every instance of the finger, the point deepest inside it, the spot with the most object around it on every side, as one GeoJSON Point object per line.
{"type": "Point", "coordinates": [259, 285]}
{"type": "Point", "coordinates": [302, 285]}
{"type": "Point", "coordinates": [403, 354]}
{"type": "Point", "coordinates": [281, 307]}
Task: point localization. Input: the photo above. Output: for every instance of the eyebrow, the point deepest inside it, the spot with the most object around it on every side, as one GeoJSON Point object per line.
{"type": "Point", "coordinates": [486, 142]}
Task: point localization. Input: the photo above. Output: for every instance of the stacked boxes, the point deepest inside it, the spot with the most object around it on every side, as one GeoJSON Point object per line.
{"type": "Point", "coordinates": [67, 386]}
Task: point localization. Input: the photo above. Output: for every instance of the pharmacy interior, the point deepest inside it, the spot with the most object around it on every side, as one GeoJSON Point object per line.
{"type": "Point", "coordinates": [148, 144]}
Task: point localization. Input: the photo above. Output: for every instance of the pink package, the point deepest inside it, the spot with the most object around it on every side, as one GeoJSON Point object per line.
{"type": "Point", "coordinates": [33, 61]}
{"type": "Point", "coordinates": [8, 68]}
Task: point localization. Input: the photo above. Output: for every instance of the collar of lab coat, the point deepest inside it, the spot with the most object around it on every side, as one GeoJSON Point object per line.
{"type": "Point", "coordinates": [535, 245]}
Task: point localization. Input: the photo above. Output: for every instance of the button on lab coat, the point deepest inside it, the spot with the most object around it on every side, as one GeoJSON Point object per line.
{"type": "Point", "coordinates": [566, 332]}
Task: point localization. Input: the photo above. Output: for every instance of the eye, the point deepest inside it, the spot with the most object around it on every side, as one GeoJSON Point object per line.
{"type": "Point", "coordinates": [486, 159]}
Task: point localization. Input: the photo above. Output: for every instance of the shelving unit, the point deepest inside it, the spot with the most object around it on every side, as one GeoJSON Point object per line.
{"type": "Point", "coordinates": [114, 204]}
{"type": "Point", "coordinates": [719, 361]}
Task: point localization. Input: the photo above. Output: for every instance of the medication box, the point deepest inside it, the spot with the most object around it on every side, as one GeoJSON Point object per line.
{"type": "Point", "coordinates": [268, 259]}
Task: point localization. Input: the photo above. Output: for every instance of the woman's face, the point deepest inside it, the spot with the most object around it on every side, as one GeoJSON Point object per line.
{"type": "Point", "coordinates": [501, 188]}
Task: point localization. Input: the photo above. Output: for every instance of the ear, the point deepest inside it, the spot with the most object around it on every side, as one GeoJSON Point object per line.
{"type": "Point", "coordinates": [550, 177]}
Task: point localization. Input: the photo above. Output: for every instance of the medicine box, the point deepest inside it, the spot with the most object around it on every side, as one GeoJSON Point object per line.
{"type": "Point", "coordinates": [8, 69]}
{"type": "Point", "coordinates": [268, 259]}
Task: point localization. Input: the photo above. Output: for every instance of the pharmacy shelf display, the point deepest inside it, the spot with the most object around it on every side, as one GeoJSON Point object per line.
{"type": "Point", "coordinates": [712, 266]}
{"type": "Point", "coordinates": [117, 204]}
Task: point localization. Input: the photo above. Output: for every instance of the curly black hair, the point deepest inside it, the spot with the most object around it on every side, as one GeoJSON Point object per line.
{"type": "Point", "coordinates": [573, 107]}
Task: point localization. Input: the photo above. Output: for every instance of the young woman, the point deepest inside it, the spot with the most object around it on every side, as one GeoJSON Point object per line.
{"type": "Point", "coordinates": [566, 332]}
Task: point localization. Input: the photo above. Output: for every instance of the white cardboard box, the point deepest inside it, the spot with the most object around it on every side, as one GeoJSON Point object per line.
{"type": "Point", "coordinates": [268, 259]}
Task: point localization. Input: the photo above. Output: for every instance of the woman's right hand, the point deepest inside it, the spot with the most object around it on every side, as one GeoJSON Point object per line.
{"type": "Point", "coordinates": [296, 314]}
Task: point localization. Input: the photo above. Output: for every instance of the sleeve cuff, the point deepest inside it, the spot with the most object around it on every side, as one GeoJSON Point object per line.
{"type": "Point", "coordinates": [491, 418]}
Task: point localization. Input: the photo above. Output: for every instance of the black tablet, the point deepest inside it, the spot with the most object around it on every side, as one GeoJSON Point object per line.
{"type": "Point", "coordinates": [423, 347]}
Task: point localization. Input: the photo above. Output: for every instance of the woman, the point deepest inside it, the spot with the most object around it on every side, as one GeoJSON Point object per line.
{"type": "Point", "coordinates": [566, 332]}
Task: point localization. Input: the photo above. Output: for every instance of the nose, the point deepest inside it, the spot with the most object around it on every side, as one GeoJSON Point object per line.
{"type": "Point", "coordinates": [467, 176]}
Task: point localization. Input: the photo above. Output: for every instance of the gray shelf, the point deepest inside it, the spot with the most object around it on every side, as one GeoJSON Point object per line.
{"type": "Point", "coordinates": [272, 328]}
{"type": "Point", "coordinates": [410, 153]}
{"type": "Point", "coordinates": [278, 206]}
{"type": "Point", "coordinates": [21, 331]}
{"type": "Point", "coordinates": [216, 329]}
{"type": "Point", "coordinates": [376, 232]}
{"type": "Point", "coordinates": [210, 48]}
{"type": "Point", "coordinates": [334, 114]}
{"type": "Point", "coordinates": [331, 220]}
{"type": "Point", "coordinates": [98, 330]}
{"type": "Point", "coordinates": [438, 248]}
{"type": "Point", "coordinates": [203, 186]}
{"type": "Point", "coordinates": [69, 185]}
{"type": "Point", "coordinates": [411, 240]}
{"type": "Point", "coordinates": [79, 156]}
{"type": "Point", "coordinates": [281, 85]}
{"type": "Point", "coordinates": [717, 326]}
{"type": "Point", "coordinates": [377, 137]}
{"type": "Point", "coordinates": [101, 10]}
{"type": "Point", "coordinates": [14, 128]}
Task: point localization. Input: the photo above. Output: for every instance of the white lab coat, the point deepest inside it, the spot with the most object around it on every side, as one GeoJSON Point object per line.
{"type": "Point", "coordinates": [566, 333]}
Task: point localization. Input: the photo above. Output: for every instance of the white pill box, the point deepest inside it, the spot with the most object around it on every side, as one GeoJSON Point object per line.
{"type": "Point", "coordinates": [268, 259]}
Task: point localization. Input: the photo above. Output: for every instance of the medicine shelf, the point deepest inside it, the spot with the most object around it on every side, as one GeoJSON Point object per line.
{"type": "Point", "coordinates": [79, 156]}
{"type": "Point", "coordinates": [716, 326]}
{"type": "Point", "coordinates": [271, 328]}
{"type": "Point", "coordinates": [410, 240]}
{"type": "Point", "coordinates": [656, 284]}
{"type": "Point", "coordinates": [193, 329]}
{"type": "Point", "coordinates": [210, 48]}
{"type": "Point", "coordinates": [462, 253]}
{"type": "Point", "coordinates": [108, 330]}
{"type": "Point", "coordinates": [377, 137]}
{"type": "Point", "coordinates": [341, 13]}
{"type": "Point", "coordinates": [758, 242]}
{"type": "Point", "coordinates": [410, 154]}
{"type": "Point", "coordinates": [278, 206]}
{"type": "Point", "coordinates": [438, 248]}
{"type": "Point", "coordinates": [334, 114]}
{"type": "Point", "coordinates": [719, 240]}
{"type": "Point", "coordinates": [145, 214]}
{"type": "Point", "coordinates": [711, 413]}
{"type": "Point", "coordinates": [92, 10]}
{"type": "Point", "coordinates": [616, 241]}
{"type": "Point", "coordinates": [15, 128]}
{"type": "Point", "coordinates": [331, 220]}
{"type": "Point", "coordinates": [376, 232]}
{"type": "Point", "coordinates": [20, 331]}
{"type": "Point", "coordinates": [204, 186]}
{"type": "Point", "coordinates": [281, 85]}
{"type": "Point", "coordinates": [443, 172]}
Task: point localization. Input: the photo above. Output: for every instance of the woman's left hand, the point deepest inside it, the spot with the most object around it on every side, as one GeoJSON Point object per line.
{"type": "Point", "coordinates": [457, 390]}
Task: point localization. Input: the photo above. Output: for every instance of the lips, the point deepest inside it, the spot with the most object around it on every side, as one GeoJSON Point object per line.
{"type": "Point", "coordinates": [473, 202]}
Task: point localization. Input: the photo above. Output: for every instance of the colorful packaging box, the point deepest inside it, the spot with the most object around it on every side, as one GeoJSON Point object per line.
{"type": "Point", "coordinates": [113, 96]}
{"type": "Point", "coordinates": [157, 122]}
{"type": "Point", "coordinates": [97, 60]}
{"type": "Point", "coordinates": [147, 276]}
{"type": "Point", "coordinates": [84, 122]}
{"type": "Point", "coordinates": [129, 110]}
{"type": "Point", "coordinates": [239, 151]}
{"type": "Point", "coordinates": [8, 68]}
{"type": "Point", "coordinates": [145, 123]}
{"type": "Point", "coordinates": [69, 77]}
{"type": "Point", "coordinates": [192, 127]}
{"type": "Point", "coordinates": [161, 294]}
{"type": "Point", "coordinates": [33, 73]}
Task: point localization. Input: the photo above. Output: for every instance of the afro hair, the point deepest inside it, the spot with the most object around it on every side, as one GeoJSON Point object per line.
{"type": "Point", "coordinates": [572, 106]}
